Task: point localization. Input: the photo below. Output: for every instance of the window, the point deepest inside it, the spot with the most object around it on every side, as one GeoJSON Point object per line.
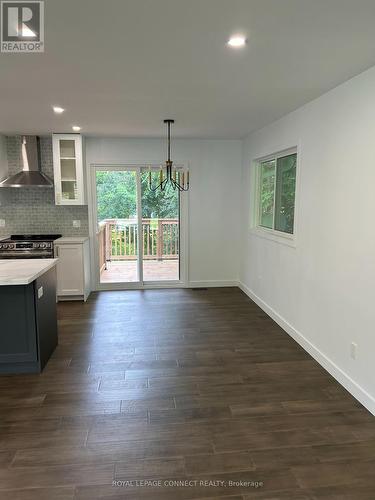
{"type": "Point", "coordinates": [277, 189]}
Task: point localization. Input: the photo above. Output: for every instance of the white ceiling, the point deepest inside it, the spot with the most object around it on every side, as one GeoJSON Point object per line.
{"type": "Point", "coordinates": [120, 66]}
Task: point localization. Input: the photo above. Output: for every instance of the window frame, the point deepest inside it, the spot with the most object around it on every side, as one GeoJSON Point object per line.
{"type": "Point", "coordinates": [256, 227]}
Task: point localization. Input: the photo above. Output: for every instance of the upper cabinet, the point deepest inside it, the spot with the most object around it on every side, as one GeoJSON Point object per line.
{"type": "Point", "coordinates": [3, 158]}
{"type": "Point", "coordinates": [68, 169]}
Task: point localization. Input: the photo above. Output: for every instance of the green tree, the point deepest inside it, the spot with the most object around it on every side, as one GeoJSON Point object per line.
{"type": "Point", "coordinates": [117, 199]}
{"type": "Point", "coordinates": [116, 195]}
{"type": "Point", "coordinates": [158, 204]}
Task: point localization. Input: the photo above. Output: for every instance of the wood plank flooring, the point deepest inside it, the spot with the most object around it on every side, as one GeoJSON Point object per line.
{"type": "Point", "coordinates": [197, 392]}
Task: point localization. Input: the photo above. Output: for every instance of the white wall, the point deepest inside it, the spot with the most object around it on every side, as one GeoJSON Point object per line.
{"type": "Point", "coordinates": [214, 201]}
{"type": "Point", "coordinates": [323, 291]}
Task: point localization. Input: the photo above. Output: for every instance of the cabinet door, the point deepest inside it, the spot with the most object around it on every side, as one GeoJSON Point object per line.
{"type": "Point", "coordinates": [69, 269]}
{"type": "Point", "coordinates": [68, 169]}
{"type": "Point", "coordinates": [18, 326]}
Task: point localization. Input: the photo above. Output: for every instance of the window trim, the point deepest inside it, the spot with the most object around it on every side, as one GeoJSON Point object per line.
{"type": "Point", "coordinates": [282, 237]}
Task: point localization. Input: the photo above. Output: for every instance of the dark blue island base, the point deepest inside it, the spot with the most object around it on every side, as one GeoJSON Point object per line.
{"type": "Point", "coordinates": [28, 324]}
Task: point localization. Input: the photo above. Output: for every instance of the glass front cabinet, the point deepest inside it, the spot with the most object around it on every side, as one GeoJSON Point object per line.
{"type": "Point", "coordinates": [68, 169]}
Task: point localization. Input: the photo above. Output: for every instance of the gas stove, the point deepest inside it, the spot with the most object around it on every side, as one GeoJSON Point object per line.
{"type": "Point", "coordinates": [28, 246]}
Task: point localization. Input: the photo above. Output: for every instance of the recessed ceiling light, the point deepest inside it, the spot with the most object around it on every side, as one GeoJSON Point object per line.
{"type": "Point", "coordinates": [76, 128]}
{"type": "Point", "coordinates": [237, 41]}
{"type": "Point", "coordinates": [58, 109]}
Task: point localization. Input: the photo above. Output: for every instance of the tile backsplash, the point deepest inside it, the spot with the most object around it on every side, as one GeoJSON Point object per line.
{"type": "Point", "coordinates": [33, 210]}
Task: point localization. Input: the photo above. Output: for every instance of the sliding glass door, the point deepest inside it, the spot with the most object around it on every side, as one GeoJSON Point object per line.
{"type": "Point", "coordinates": [117, 222]}
{"type": "Point", "coordinates": [138, 230]}
{"type": "Point", "coordinates": [160, 229]}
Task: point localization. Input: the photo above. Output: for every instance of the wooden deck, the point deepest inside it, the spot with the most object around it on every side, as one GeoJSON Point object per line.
{"type": "Point", "coordinates": [125, 271]}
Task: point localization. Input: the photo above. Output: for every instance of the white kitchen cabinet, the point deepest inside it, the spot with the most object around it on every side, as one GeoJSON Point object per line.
{"type": "Point", "coordinates": [73, 268]}
{"type": "Point", "coordinates": [4, 172]}
{"type": "Point", "coordinates": [68, 169]}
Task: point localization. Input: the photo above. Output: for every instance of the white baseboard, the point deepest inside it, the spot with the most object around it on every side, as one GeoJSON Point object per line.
{"type": "Point", "coordinates": [366, 399]}
{"type": "Point", "coordinates": [212, 283]}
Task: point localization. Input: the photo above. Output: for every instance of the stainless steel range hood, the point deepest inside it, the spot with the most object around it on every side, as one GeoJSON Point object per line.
{"type": "Point", "coordinates": [30, 175]}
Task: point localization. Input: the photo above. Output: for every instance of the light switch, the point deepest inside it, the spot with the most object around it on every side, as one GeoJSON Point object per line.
{"type": "Point", "coordinates": [40, 292]}
{"type": "Point", "coordinates": [2, 222]}
{"type": "Point", "coordinates": [76, 223]}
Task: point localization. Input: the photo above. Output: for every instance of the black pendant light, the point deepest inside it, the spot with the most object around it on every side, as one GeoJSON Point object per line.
{"type": "Point", "coordinates": [176, 177]}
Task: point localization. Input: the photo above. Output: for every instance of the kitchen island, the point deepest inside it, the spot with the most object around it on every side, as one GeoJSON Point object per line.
{"type": "Point", "coordinates": [28, 319]}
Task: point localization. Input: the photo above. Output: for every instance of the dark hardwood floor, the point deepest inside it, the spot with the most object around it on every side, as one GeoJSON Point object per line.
{"type": "Point", "coordinates": [199, 387]}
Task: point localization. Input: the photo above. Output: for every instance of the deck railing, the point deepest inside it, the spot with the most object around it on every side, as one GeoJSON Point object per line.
{"type": "Point", "coordinates": [118, 239]}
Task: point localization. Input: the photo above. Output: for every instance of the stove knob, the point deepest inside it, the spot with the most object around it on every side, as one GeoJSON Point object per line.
{"type": "Point", "coordinates": [1, 246]}
{"type": "Point", "coordinates": [42, 245]}
{"type": "Point", "coordinates": [5, 246]}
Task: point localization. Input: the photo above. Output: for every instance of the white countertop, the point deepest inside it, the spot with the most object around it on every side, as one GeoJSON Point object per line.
{"type": "Point", "coordinates": [23, 271]}
{"type": "Point", "coordinates": [71, 239]}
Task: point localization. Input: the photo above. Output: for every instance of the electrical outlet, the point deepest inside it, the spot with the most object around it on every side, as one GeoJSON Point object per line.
{"type": "Point", "coordinates": [76, 223]}
{"type": "Point", "coordinates": [2, 222]}
{"type": "Point", "coordinates": [353, 350]}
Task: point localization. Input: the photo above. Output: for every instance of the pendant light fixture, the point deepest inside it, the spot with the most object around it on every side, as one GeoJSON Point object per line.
{"type": "Point", "coordinates": [170, 175]}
